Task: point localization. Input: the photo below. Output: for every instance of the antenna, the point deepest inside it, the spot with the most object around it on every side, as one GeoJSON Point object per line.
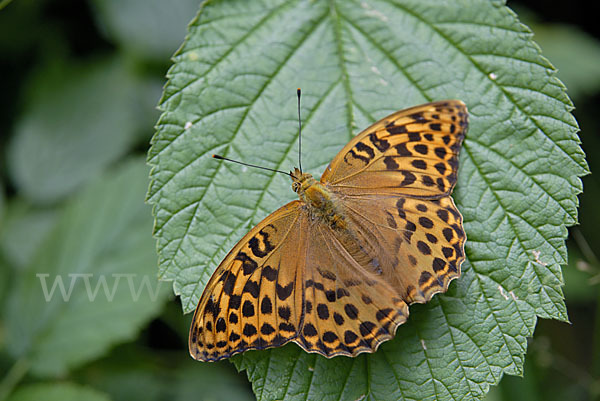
{"type": "Point", "coordinates": [219, 157]}
{"type": "Point", "coordinates": [250, 165]}
{"type": "Point", "coordinates": [299, 92]}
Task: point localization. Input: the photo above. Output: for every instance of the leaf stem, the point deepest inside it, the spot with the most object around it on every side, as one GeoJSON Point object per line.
{"type": "Point", "coordinates": [13, 377]}
{"type": "Point", "coordinates": [585, 247]}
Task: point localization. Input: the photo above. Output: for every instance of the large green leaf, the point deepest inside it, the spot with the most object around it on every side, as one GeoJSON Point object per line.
{"type": "Point", "coordinates": [91, 283]}
{"type": "Point", "coordinates": [232, 91]}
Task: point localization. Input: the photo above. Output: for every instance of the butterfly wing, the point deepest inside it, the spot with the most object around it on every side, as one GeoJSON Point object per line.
{"type": "Point", "coordinates": [254, 298]}
{"type": "Point", "coordinates": [294, 278]}
{"type": "Point", "coordinates": [348, 308]}
{"type": "Point", "coordinates": [419, 242]}
{"type": "Point", "coordinates": [394, 181]}
{"type": "Point", "coordinates": [413, 152]}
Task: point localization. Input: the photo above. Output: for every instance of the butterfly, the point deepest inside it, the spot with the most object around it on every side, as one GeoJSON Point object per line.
{"type": "Point", "coordinates": [335, 270]}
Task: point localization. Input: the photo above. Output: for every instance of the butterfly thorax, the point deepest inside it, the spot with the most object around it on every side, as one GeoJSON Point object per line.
{"type": "Point", "coordinates": [319, 200]}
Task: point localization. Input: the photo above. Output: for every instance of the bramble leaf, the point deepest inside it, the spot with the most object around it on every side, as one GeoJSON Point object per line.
{"type": "Point", "coordinates": [231, 91]}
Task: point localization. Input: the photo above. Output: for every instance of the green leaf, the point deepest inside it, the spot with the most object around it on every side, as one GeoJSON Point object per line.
{"type": "Point", "coordinates": [102, 253]}
{"type": "Point", "coordinates": [23, 231]}
{"type": "Point", "coordinates": [232, 91]}
{"type": "Point", "coordinates": [150, 28]}
{"type": "Point", "coordinates": [57, 392]}
{"type": "Point", "coordinates": [2, 203]}
{"type": "Point", "coordinates": [130, 370]}
{"type": "Point", "coordinates": [216, 381]}
{"type": "Point", "coordinates": [78, 120]}
{"type": "Point", "coordinates": [5, 275]}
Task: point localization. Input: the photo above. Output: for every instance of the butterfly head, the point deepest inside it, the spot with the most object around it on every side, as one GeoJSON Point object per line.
{"type": "Point", "coordinates": [301, 181]}
{"type": "Point", "coordinates": [298, 179]}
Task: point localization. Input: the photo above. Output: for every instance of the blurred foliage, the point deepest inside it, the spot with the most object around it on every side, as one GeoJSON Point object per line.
{"type": "Point", "coordinates": [80, 84]}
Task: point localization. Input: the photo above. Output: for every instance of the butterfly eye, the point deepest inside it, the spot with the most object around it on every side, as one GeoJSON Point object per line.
{"type": "Point", "coordinates": [295, 186]}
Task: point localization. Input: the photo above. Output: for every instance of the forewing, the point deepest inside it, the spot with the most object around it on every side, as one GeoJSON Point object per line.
{"type": "Point", "coordinates": [413, 152]}
{"type": "Point", "coordinates": [420, 242]}
{"type": "Point", "coordinates": [348, 307]}
{"type": "Point", "coordinates": [254, 298]}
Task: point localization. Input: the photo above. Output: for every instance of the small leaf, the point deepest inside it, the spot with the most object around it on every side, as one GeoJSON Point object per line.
{"type": "Point", "coordinates": [217, 381]}
{"type": "Point", "coordinates": [232, 91]}
{"type": "Point", "coordinates": [2, 203]}
{"type": "Point", "coordinates": [23, 230]}
{"type": "Point", "coordinates": [64, 391]}
{"type": "Point", "coordinates": [150, 28]}
{"type": "Point", "coordinates": [130, 370]}
{"type": "Point", "coordinates": [91, 284]}
{"type": "Point", "coordinates": [77, 122]}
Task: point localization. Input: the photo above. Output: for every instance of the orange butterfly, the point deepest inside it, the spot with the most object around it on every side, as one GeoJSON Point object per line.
{"type": "Point", "coordinates": [336, 270]}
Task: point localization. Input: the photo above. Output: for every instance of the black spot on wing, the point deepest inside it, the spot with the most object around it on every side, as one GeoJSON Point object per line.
{"type": "Point", "coordinates": [438, 264]}
{"type": "Point", "coordinates": [267, 329]}
{"type": "Point", "coordinates": [414, 137]}
{"type": "Point", "coordinates": [402, 150]}
{"type": "Point", "coordinates": [390, 163]}
{"type": "Point", "coordinates": [423, 248]}
{"type": "Point", "coordinates": [396, 129]}
{"type": "Point", "coordinates": [248, 264]}
{"type": "Point", "coordinates": [381, 144]}
{"type": "Point", "coordinates": [425, 222]}
{"type": "Point", "coordinates": [323, 311]}
{"type": "Point", "coordinates": [409, 178]}
{"type": "Point", "coordinates": [351, 311]}
{"type": "Point", "coordinates": [249, 330]}
{"type": "Point", "coordinates": [283, 292]}
{"type": "Point", "coordinates": [221, 326]}
{"type": "Point", "coordinates": [235, 301]}
{"type": "Point", "coordinates": [358, 152]}
{"type": "Point", "coordinates": [266, 306]}
{"type": "Point", "coordinates": [229, 284]}
{"type": "Point", "coordinates": [251, 288]}
{"type": "Point", "coordinates": [421, 148]}
{"type": "Point", "coordinates": [443, 215]}
{"type": "Point", "coordinates": [418, 118]}
{"type": "Point", "coordinates": [284, 312]}
{"type": "Point", "coordinates": [269, 273]}
{"type": "Point", "coordinates": [255, 245]}
{"type": "Point", "coordinates": [248, 309]}
{"type": "Point", "coordinates": [441, 152]}
{"type": "Point", "coordinates": [441, 168]}
{"type": "Point", "coordinates": [309, 330]}
{"type": "Point", "coordinates": [419, 164]}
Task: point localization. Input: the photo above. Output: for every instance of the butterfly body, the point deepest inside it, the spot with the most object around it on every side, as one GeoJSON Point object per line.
{"type": "Point", "coordinates": [318, 200]}
{"type": "Point", "coordinates": [336, 270]}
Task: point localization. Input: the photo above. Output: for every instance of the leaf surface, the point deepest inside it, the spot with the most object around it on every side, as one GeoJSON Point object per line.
{"type": "Point", "coordinates": [231, 91]}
